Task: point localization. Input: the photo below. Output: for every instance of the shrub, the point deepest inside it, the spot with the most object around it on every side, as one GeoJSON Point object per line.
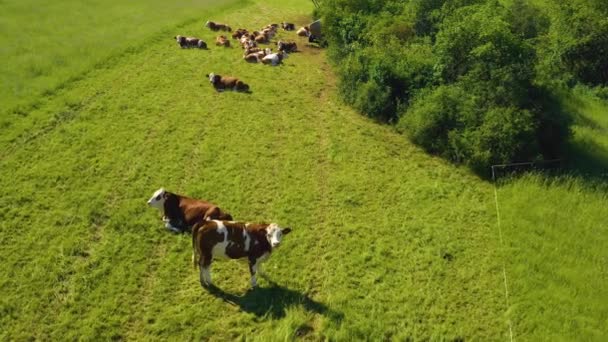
{"type": "Point", "coordinates": [460, 76]}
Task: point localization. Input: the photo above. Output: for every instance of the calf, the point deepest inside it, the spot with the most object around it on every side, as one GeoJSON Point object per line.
{"type": "Point", "coordinates": [181, 213]}
{"type": "Point", "coordinates": [288, 26]}
{"type": "Point", "coordinates": [187, 42]}
{"type": "Point", "coordinates": [217, 26]}
{"type": "Point", "coordinates": [222, 41]}
{"type": "Point", "coordinates": [287, 46]}
{"type": "Point", "coordinates": [220, 83]}
{"type": "Point", "coordinates": [234, 240]}
{"type": "Point", "coordinates": [274, 58]}
{"type": "Point", "coordinates": [303, 31]}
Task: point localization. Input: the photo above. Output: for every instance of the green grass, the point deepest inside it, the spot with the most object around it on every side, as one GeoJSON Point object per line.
{"type": "Point", "coordinates": [46, 45]}
{"type": "Point", "coordinates": [388, 242]}
{"type": "Point", "coordinates": [556, 236]}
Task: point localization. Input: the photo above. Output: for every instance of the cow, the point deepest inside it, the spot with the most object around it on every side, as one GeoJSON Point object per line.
{"type": "Point", "coordinates": [303, 31]}
{"type": "Point", "coordinates": [234, 240]}
{"type": "Point", "coordinates": [220, 83]}
{"type": "Point", "coordinates": [217, 26]}
{"type": "Point", "coordinates": [239, 33]}
{"type": "Point", "coordinates": [222, 41]}
{"type": "Point", "coordinates": [287, 46]}
{"type": "Point", "coordinates": [262, 38]}
{"type": "Point", "coordinates": [256, 56]}
{"type": "Point", "coordinates": [180, 213]}
{"type": "Point", "coordinates": [288, 26]}
{"type": "Point", "coordinates": [274, 58]}
{"type": "Point", "coordinates": [247, 42]}
{"type": "Point", "coordinates": [187, 42]}
{"type": "Point", "coordinates": [253, 57]}
{"type": "Point", "coordinates": [266, 51]}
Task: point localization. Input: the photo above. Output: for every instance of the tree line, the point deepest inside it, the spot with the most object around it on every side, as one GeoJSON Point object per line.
{"type": "Point", "coordinates": [470, 80]}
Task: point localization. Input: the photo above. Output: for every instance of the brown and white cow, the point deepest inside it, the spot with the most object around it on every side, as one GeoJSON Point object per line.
{"type": "Point", "coordinates": [180, 213]}
{"type": "Point", "coordinates": [217, 26]}
{"type": "Point", "coordinates": [262, 38]}
{"type": "Point", "coordinates": [247, 42]}
{"type": "Point", "coordinates": [257, 55]}
{"type": "Point", "coordinates": [288, 26]}
{"type": "Point", "coordinates": [303, 31]}
{"type": "Point", "coordinates": [234, 240]}
{"type": "Point", "coordinates": [287, 46]}
{"type": "Point", "coordinates": [222, 41]}
{"type": "Point", "coordinates": [221, 83]}
{"type": "Point", "coordinates": [188, 42]}
{"type": "Point", "coordinates": [239, 33]}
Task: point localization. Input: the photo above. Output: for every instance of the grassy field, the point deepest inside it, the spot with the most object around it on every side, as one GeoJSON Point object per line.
{"type": "Point", "coordinates": [388, 242]}
{"type": "Point", "coordinates": [48, 45]}
{"type": "Point", "coordinates": [556, 237]}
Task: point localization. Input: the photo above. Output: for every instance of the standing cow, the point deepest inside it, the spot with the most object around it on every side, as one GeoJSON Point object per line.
{"type": "Point", "coordinates": [180, 213]}
{"type": "Point", "coordinates": [233, 240]}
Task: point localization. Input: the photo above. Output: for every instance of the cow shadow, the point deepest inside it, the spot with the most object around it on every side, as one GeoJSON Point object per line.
{"type": "Point", "coordinates": [273, 301]}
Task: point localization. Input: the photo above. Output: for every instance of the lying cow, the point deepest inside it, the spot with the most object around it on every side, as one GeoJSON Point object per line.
{"type": "Point", "coordinates": [266, 51]}
{"type": "Point", "coordinates": [247, 42]}
{"type": "Point", "coordinates": [256, 56]}
{"type": "Point", "coordinates": [217, 26]}
{"type": "Point", "coordinates": [188, 42]}
{"type": "Point", "coordinates": [221, 83]}
{"type": "Point", "coordinates": [287, 46]}
{"type": "Point", "coordinates": [222, 41]}
{"type": "Point", "coordinates": [180, 213]}
{"type": "Point", "coordinates": [274, 58]}
{"type": "Point", "coordinates": [303, 31]}
{"type": "Point", "coordinates": [288, 26]}
{"type": "Point", "coordinates": [239, 33]}
{"type": "Point", "coordinates": [262, 38]}
{"type": "Point", "coordinates": [234, 240]}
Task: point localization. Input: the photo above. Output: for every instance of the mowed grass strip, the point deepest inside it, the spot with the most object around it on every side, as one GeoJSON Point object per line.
{"type": "Point", "coordinates": [388, 242]}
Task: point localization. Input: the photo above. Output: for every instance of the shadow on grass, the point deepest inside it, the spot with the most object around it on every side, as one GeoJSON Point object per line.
{"type": "Point", "coordinates": [580, 157]}
{"type": "Point", "coordinates": [273, 301]}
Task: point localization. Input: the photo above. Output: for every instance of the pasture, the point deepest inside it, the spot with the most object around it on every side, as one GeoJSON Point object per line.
{"type": "Point", "coordinates": [387, 243]}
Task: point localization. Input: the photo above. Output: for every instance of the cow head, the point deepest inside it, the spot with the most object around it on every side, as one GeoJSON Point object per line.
{"type": "Point", "coordinates": [158, 199]}
{"type": "Point", "coordinates": [208, 24]}
{"type": "Point", "coordinates": [274, 234]}
{"type": "Point", "coordinates": [213, 78]}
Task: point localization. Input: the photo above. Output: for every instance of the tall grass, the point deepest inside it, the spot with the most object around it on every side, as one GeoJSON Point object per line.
{"type": "Point", "coordinates": [557, 238]}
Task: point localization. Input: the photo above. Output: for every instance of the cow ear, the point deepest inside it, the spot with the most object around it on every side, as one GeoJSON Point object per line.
{"type": "Point", "coordinates": [286, 230]}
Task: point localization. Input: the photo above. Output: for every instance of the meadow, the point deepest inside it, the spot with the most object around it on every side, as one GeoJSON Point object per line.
{"type": "Point", "coordinates": [388, 242]}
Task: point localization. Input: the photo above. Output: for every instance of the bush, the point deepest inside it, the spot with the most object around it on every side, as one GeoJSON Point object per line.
{"type": "Point", "coordinates": [460, 76]}
{"type": "Point", "coordinates": [448, 122]}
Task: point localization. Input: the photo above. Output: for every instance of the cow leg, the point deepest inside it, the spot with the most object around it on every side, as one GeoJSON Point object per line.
{"type": "Point", "coordinates": [253, 269]}
{"type": "Point", "coordinates": [172, 228]}
{"type": "Point", "coordinates": [205, 267]}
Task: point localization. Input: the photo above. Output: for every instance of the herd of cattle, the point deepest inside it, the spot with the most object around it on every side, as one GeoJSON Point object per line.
{"type": "Point", "coordinates": [215, 234]}
{"type": "Point", "coordinates": [252, 53]}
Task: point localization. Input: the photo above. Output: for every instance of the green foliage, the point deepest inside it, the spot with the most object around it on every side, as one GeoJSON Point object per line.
{"type": "Point", "coordinates": [447, 122]}
{"type": "Point", "coordinates": [482, 55]}
{"type": "Point", "coordinates": [575, 48]}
